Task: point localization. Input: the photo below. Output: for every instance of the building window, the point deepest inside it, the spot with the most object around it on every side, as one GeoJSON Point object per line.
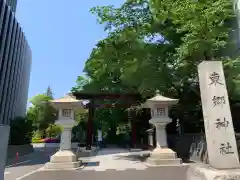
{"type": "Point", "coordinates": [66, 112]}
{"type": "Point", "coordinates": [160, 112]}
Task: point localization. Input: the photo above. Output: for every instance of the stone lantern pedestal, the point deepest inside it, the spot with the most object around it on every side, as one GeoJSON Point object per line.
{"type": "Point", "coordinates": [161, 155]}
{"type": "Point", "coordinates": [65, 158]}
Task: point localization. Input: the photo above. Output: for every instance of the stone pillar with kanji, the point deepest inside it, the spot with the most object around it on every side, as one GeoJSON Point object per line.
{"type": "Point", "coordinates": [222, 149]}
{"type": "Point", "coordinates": [161, 155]}
{"type": "Point", "coordinates": [65, 158]}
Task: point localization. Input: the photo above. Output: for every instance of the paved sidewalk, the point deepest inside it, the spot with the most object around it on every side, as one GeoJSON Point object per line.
{"type": "Point", "coordinates": [109, 164]}
{"type": "Point", "coordinates": [164, 173]}
{"type": "Point", "coordinates": [114, 159]}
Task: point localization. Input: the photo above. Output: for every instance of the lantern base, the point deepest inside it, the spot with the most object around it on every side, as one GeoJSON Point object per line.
{"type": "Point", "coordinates": [63, 160]}
{"type": "Point", "coordinates": [163, 157]}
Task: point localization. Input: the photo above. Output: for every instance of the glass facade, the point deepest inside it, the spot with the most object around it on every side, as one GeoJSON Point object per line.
{"type": "Point", "coordinates": [15, 64]}
{"type": "Point", "coordinates": [12, 4]}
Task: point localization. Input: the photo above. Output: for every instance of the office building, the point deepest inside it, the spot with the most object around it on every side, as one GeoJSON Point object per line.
{"type": "Point", "coordinates": [15, 65]}
{"type": "Point", "coordinates": [12, 4]}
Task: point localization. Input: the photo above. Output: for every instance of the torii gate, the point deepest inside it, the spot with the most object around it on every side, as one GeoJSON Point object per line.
{"type": "Point", "coordinates": [129, 99]}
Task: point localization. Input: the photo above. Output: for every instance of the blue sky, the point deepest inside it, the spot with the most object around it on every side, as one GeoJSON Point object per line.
{"type": "Point", "coordinates": [61, 34]}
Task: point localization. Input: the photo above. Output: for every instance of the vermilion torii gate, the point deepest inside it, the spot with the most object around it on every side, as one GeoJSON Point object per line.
{"type": "Point", "coordinates": [129, 99]}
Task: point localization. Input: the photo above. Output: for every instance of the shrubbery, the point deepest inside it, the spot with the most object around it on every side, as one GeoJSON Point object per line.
{"type": "Point", "coordinates": [37, 137]}
{"type": "Point", "coordinates": [20, 131]}
{"type": "Point", "coordinates": [37, 140]}
{"type": "Point", "coordinates": [46, 140]}
{"type": "Point", "coordinates": [53, 130]}
{"type": "Point", "coordinates": [47, 136]}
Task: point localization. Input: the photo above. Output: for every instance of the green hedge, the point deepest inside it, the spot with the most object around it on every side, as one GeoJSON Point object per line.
{"type": "Point", "coordinates": [20, 131]}
{"type": "Point", "coordinates": [53, 130]}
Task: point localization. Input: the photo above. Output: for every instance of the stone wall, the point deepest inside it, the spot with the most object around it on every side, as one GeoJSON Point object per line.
{"type": "Point", "coordinates": [20, 149]}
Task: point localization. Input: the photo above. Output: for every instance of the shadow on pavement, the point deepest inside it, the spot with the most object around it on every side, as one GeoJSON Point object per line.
{"type": "Point", "coordinates": [91, 164]}
{"type": "Point", "coordinates": [111, 151]}
{"type": "Point", "coordinates": [142, 157]}
{"type": "Point", "coordinates": [133, 157]}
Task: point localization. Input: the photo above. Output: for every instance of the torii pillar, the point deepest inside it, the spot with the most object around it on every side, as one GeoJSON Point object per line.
{"type": "Point", "coordinates": [90, 125]}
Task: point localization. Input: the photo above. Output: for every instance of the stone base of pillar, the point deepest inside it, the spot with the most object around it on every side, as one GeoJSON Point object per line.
{"type": "Point", "coordinates": [204, 172]}
{"type": "Point", "coordinates": [163, 157]}
{"type": "Point", "coordinates": [63, 160]}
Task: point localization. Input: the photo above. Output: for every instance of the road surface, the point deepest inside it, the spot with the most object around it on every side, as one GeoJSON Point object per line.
{"type": "Point", "coordinates": [17, 169]}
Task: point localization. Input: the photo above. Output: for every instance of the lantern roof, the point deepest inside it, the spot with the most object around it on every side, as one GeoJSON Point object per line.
{"type": "Point", "coordinates": [159, 99]}
{"type": "Point", "coordinates": [69, 100]}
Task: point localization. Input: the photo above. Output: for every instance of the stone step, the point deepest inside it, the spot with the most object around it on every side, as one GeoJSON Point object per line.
{"type": "Point", "coordinates": [62, 166]}
{"type": "Point", "coordinates": [63, 156]}
{"type": "Point", "coordinates": [163, 162]}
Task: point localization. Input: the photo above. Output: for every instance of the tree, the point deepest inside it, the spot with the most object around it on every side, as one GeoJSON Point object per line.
{"type": "Point", "coordinates": [158, 45]}
{"type": "Point", "coordinates": [207, 29]}
{"type": "Point", "coordinates": [39, 99]}
{"type": "Point", "coordinates": [205, 25]}
{"type": "Point", "coordinates": [49, 92]}
{"type": "Point", "coordinates": [32, 115]}
{"type": "Point", "coordinates": [80, 83]}
{"type": "Point", "coordinates": [136, 53]}
{"type": "Point", "coordinates": [41, 112]}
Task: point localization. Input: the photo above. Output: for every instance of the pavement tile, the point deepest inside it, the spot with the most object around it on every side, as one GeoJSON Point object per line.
{"type": "Point", "coordinates": [163, 173]}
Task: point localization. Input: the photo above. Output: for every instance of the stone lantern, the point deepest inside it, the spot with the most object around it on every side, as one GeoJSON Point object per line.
{"type": "Point", "coordinates": [161, 155]}
{"type": "Point", "coordinates": [65, 158]}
